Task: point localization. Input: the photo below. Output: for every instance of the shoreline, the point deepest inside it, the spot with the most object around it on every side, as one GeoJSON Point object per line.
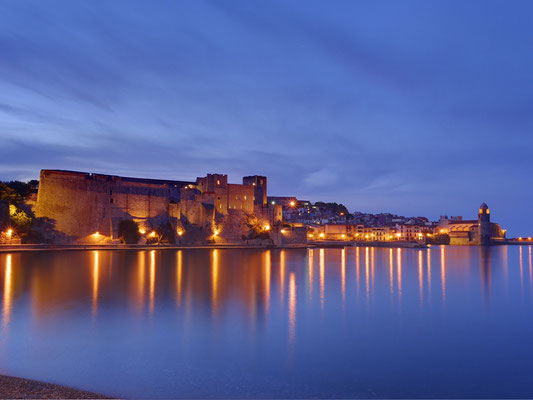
{"type": "Point", "coordinates": [21, 388]}
{"type": "Point", "coordinates": [19, 248]}
{"type": "Point", "coordinates": [125, 247]}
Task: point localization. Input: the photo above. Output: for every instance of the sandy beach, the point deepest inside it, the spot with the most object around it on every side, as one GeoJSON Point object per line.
{"type": "Point", "coordinates": [19, 388]}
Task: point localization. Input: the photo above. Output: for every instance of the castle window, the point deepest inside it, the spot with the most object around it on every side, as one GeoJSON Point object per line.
{"type": "Point", "coordinates": [111, 201]}
{"type": "Point", "coordinates": [244, 197]}
{"type": "Point", "coordinates": [218, 182]}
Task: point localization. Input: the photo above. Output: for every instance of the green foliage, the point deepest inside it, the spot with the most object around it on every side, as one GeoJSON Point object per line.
{"type": "Point", "coordinates": [9, 194]}
{"type": "Point", "coordinates": [128, 231]}
{"type": "Point", "coordinates": [19, 219]}
{"type": "Point", "coordinates": [333, 207]}
{"type": "Point", "coordinates": [16, 191]}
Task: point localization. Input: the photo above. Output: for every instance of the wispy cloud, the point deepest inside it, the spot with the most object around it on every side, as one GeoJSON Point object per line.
{"type": "Point", "coordinates": [382, 106]}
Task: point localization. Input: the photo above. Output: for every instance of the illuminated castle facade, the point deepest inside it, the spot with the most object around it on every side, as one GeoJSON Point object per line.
{"type": "Point", "coordinates": [85, 206]}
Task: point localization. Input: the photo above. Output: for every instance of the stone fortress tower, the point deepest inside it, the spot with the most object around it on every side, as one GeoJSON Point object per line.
{"type": "Point", "coordinates": [484, 224]}
{"type": "Point", "coordinates": [260, 188]}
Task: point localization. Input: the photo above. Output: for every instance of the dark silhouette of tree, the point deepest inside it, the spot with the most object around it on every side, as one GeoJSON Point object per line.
{"type": "Point", "coordinates": [128, 231]}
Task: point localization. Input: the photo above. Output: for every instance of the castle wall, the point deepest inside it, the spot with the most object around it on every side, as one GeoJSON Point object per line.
{"type": "Point", "coordinates": [82, 204]}
{"type": "Point", "coordinates": [241, 197]}
{"type": "Point", "coordinates": [221, 200]}
{"type": "Point", "coordinates": [289, 236]}
{"type": "Point", "coordinates": [461, 238]}
{"type": "Point", "coordinates": [193, 207]}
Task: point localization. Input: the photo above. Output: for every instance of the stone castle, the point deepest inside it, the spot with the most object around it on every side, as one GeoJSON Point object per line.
{"type": "Point", "coordinates": [88, 207]}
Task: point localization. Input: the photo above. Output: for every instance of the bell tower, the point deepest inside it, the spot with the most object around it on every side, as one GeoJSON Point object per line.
{"type": "Point", "coordinates": [484, 224]}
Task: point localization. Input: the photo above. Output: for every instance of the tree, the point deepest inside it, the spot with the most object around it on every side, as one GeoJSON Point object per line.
{"type": "Point", "coordinates": [21, 221]}
{"type": "Point", "coordinates": [9, 194]}
{"type": "Point", "coordinates": [332, 207]}
{"type": "Point", "coordinates": [128, 231]}
{"type": "Point", "coordinates": [166, 233]}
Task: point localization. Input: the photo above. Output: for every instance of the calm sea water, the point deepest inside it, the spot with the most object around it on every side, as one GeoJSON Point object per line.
{"type": "Point", "coordinates": [358, 322]}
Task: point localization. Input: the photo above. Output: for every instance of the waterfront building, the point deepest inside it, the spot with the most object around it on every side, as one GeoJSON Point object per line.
{"type": "Point", "coordinates": [480, 231]}
{"type": "Point", "coordinates": [89, 207]}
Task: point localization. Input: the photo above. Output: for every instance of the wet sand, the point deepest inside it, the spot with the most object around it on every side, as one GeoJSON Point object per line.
{"type": "Point", "coordinates": [19, 388]}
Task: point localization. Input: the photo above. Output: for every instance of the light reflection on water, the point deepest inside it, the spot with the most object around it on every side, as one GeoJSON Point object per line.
{"type": "Point", "coordinates": [272, 323]}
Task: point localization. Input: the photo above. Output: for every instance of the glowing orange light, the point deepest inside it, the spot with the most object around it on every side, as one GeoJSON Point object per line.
{"type": "Point", "coordinates": [310, 235]}
{"type": "Point", "coordinates": [215, 233]}
{"type": "Point", "coordinates": [293, 203]}
{"type": "Point", "coordinates": [266, 227]}
{"type": "Point", "coordinates": [142, 231]}
{"type": "Point", "coordinates": [322, 235]}
{"type": "Point", "coordinates": [283, 231]}
{"type": "Point", "coordinates": [152, 234]}
{"type": "Point", "coordinates": [180, 233]}
{"type": "Point", "coordinates": [399, 235]}
{"type": "Point", "coordinates": [9, 233]}
{"type": "Point", "coordinates": [519, 238]}
{"type": "Point", "coordinates": [343, 236]}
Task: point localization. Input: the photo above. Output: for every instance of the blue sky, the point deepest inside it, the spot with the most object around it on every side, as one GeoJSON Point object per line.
{"type": "Point", "coordinates": [411, 107]}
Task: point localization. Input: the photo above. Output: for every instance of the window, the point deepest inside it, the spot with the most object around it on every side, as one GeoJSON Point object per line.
{"type": "Point", "coordinates": [218, 182]}
{"type": "Point", "coordinates": [110, 192]}
{"type": "Point", "coordinates": [244, 197]}
{"type": "Point", "coordinates": [111, 201]}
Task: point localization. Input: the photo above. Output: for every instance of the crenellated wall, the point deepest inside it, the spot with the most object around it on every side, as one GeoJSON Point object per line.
{"type": "Point", "coordinates": [241, 197]}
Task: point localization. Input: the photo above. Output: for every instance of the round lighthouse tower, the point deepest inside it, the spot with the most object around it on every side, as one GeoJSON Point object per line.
{"type": "Point", "coordinates": [484, 224]}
